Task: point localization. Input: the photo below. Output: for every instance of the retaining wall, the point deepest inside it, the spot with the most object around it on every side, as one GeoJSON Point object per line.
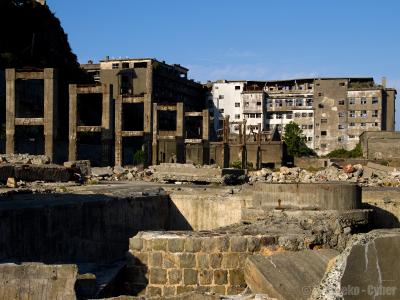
{"type": "Point", "coordinates": [172, 263]}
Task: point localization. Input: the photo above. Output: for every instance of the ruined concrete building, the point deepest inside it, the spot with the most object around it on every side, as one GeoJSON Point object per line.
{"type": "Point", "coordinates": [153, 101]}
{"type": "Point", "coordinates": [332, 112]}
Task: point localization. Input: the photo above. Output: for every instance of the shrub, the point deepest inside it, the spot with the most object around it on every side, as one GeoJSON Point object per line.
{"type": "Point", "coordinates": [138, 157]}
{"type": "Point", "coordinates": [343, 153]}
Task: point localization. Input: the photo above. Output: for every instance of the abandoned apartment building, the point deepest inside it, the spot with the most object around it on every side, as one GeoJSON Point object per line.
{"type": "Point", "coordinates": [146, 106]}
{"type": "Point", "coordinates": [332, 112]}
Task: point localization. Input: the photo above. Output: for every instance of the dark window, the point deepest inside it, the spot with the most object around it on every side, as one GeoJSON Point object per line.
{"type": "Point", "coordinates": [237, 104]}
{"type": "Point", "coordinates": [115, 65]}
{"type": "Point", "coordinates": [140, 65]}
{"type": "Point", "coordinates": [341, 102]}
{"type": "Point", "coordinates": [237, 87]}
{"type": "Point", "coordinates": [125, 65]}
{"type": "Point", "coordinates": [324, 121]}
{"type": "Point", "coordinates": [323, 132]}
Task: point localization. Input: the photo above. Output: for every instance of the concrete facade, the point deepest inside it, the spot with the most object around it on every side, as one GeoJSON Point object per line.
{"type": "Point", "coordinates": [42, 108]}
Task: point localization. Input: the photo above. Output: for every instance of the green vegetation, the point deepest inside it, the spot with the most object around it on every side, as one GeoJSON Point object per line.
{"type": "Point", "coordinates": [138, 157]}
{"type": "Point", "coordinates": [238, 165]}
{"type": "Point", "coordinates": [296, 141]}
{"type": "Point", "coordinates": [343, 153]}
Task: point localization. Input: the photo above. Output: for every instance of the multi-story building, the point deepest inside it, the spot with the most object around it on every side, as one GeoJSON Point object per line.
{"type": "Point", "coordinates": [332, 112]}
{"type": "Point", "coordinates": [239, 100]}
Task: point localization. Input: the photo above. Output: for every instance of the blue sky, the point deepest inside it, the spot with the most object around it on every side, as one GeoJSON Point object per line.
{"type": "Point", "coordinates": [253, 39]}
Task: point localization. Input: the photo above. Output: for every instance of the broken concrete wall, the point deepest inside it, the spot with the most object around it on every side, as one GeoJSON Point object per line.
{"type": "Point", "coordinates": [366, 269]}
{"type": "Point", "coordinates": [37, 281]}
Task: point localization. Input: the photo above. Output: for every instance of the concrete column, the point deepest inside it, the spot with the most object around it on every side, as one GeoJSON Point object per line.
{"type": "Point", "coordinates": [50, 101]}
{"type": "Point", "coordinates": [155, 133]}
{"type": "Point", "coordinates": [180, 115]}
{"type": "Point", "coordinates": [226, 130]}
{"type": "Point", "coordinates": [10, 110]}
{"type": "Point", "coordinates": [148, 100]}
{"type": "Point", "coordinates": [73, 98]}
{"type": "Point", "coordinates": [106, 124]}
{"type": "Point", "coordinates": [118, 131]}
{"type": "Point", "coordinates": [206, 125]}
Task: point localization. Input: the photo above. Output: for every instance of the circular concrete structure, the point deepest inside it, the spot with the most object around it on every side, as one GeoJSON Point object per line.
{"type": "Point", "coordinates": [332, 195]}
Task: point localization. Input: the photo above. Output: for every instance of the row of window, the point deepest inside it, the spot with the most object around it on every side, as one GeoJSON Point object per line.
{"type": "Point", "coordinates": [362, 113]}
{"type": "Point", "coordinates": [290, 102]}
{"type": "Point", "coordinates": [288, 115]}
{"type": "Point", "coordinates": [363, 100]}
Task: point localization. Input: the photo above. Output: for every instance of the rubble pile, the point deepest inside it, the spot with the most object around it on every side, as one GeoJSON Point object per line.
{"type": "Point", "coordinates": [119, 173]}
{"type": "Point", "coordinates": [369, 175]}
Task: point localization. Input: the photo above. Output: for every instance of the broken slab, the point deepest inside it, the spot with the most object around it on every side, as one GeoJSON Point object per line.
{"type": "Point", "coordinates": [287, 275]}
{"type": "Point", "coordinates": [367, 269]}
{"type": "Point", "coordinates": [192, 173]}
{"type": "Point", "coordinates": [37, 281]}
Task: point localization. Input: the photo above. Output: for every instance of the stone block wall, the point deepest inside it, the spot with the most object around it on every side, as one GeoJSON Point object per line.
{"type": "Point", "coordinates": [167, 264]}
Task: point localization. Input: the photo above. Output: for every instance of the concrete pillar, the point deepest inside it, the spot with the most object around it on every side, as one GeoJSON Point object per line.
{"type": "Point", "coordinates": [10, 110]}
{"type": "Point", "coordinates": [106, 124]}
{"type": "Point", "coordinates": [73, 99]}
{"type": "Point", "coordinates": [244, 150]}
{"type": "Point", "coordinates": [206, 125]}
{"type": "Point", "coordinates": [50, 102]}
{"type": "Point", "coordinates": [118, 131]}
{"type": "Point", "coordinates": [180, 115]}
{"type": "Point", "coordinates": [226, 130]}
{"type": "Point", "coordinates": [155, 134]}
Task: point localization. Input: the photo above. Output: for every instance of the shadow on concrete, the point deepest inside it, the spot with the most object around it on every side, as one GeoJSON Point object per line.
{"type": "Point", "coordinates": [382, 218]}
{"type": "Point", "coordinates": [79, 228]}
{"type": "Point", "coordinates": [176, 221]}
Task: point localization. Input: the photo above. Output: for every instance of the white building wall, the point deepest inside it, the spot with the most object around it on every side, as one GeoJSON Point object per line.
{"type": "Point", "coordinates": [226, 100]}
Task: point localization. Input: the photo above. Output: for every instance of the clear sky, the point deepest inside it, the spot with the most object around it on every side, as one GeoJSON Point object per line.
{"type": "Point", "coordinates": [252, 39]}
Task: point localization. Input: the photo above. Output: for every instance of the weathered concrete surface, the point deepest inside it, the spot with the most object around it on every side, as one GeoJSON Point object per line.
{"type": "Point", "coordinates": [287, 275]}
{"type": "Point", "coordinates": [340, 196]}
{"type": "Point", "coordinates": [36, 281]}
{"type": "Point", "coordinates": [30, 172]}
{"type": "Point", "coordinates": [386, 205]}
{"type": "Point", "coordinates": [202, 206]}
{"type": "Point", "coordinates": [367, 269]}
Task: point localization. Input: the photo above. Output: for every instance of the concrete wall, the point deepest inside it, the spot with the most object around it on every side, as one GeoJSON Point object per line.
{"type": "Point", "coordinates": [337, 196]}
{"type": "Point", "coordinates": [202, 207]}
{"type": "Point", "coordinates": [310, 162]}
{"type": "Point", "coordinates": [76, 227]}
{"type": "Point", "coordinates": [381, 145]}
